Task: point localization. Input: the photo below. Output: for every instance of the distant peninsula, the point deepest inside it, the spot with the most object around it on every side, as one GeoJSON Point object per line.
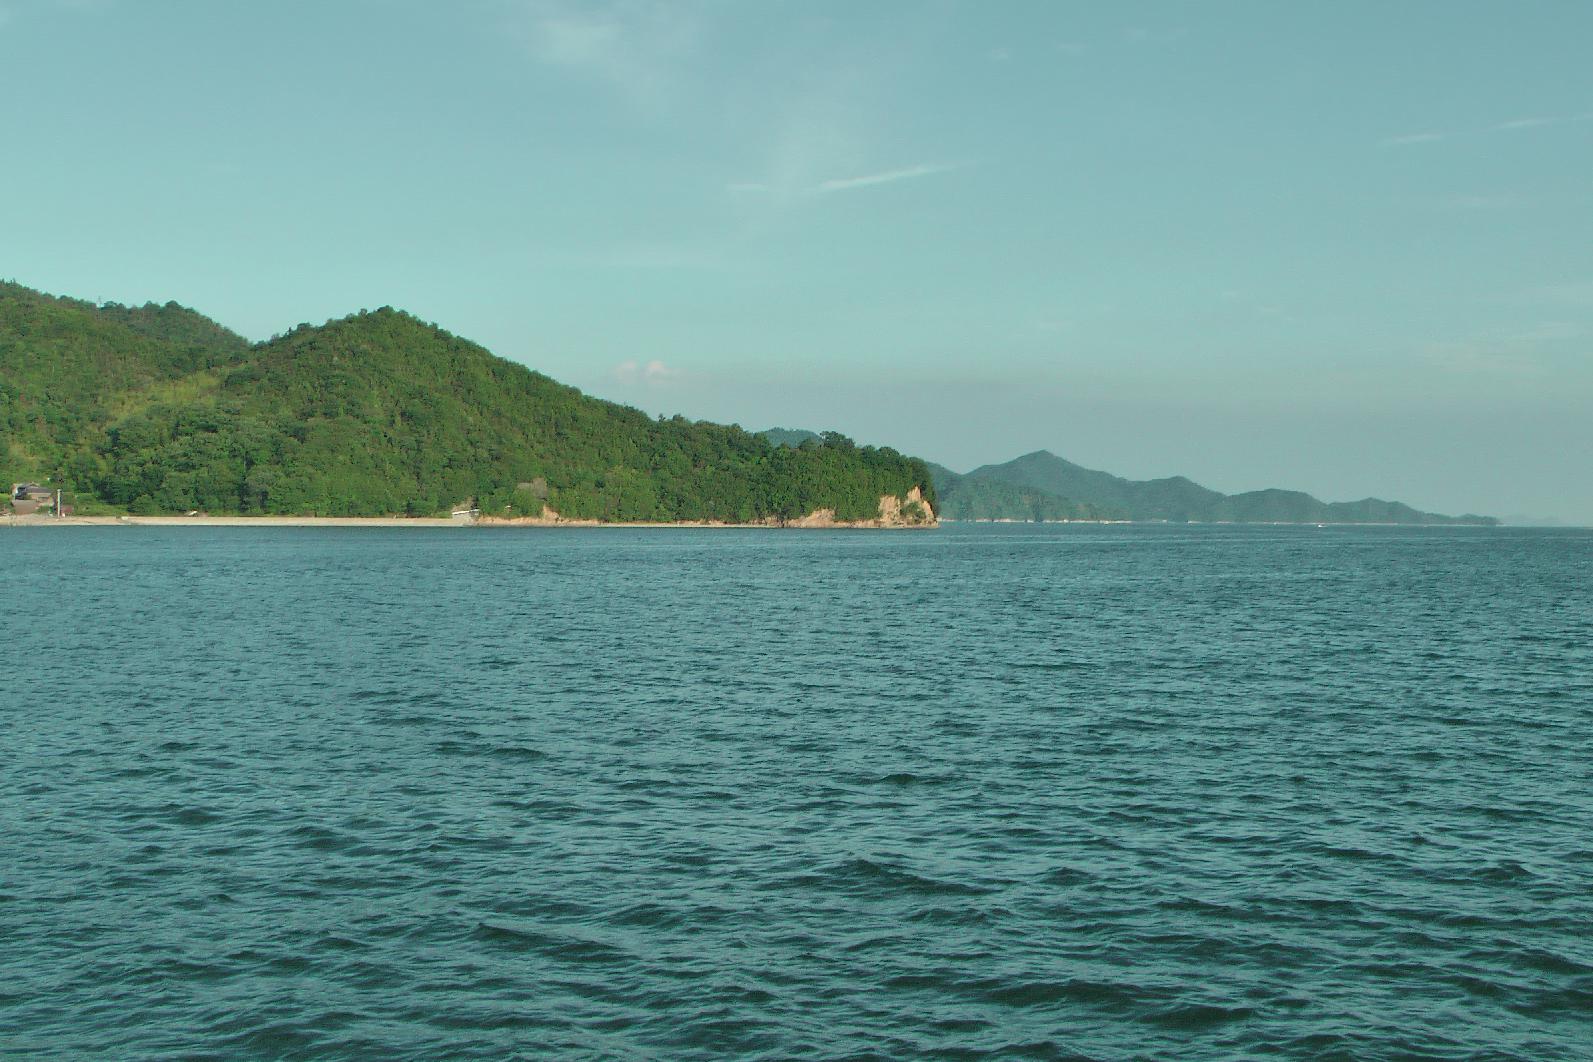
{"type": "Point", "coordinates": [1042, 486]}
{"type": "Point", "coordinates": [156, 410]}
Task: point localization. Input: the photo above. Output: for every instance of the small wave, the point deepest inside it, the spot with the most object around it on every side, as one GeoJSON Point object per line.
{"type": "Point", "coordinates": [1198, 1015]}
{"type": "Point", "coordinates": [319, 839]}
{"type": "Point", "coordinates": [481, 748]}
{"type": "Point", "coordinates": [1554, 963]}
{"type": "Point", "coordinates": [952, 916]}
{"type": "Point", "coordinates": [556, 945]}
{"type": "Point", "coordinates": [333, 942]}
{"type": "Point", "coordinates": [649, 916]}
{"type": "Point", "coordinates": [1047, 1050]}
{"type": "Point", "coordinates": [902, 778]}
{"type": "Point", "coordinates": [1350, 853]}
{"type": "Point", "coordinates": [1046, 993]}
{"type": "Point", "coordinates": [516, 752]}
{"type": "Point", "coordinates": [1066, 876]}
{"type": "Point", "coordinates": [273, 1041]}
{"type": "Point", "coordinates": [1506, 871]}
{"type": "Point", "coordinates": [1573, 1001]}
{"type": "Point", "coordinates": [400, 698]}
{"type": "Point", "coordinates": [869, 874]}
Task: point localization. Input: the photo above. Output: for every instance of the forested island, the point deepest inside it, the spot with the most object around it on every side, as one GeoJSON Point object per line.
{"type": "Point", "coordinates": [157, 409]}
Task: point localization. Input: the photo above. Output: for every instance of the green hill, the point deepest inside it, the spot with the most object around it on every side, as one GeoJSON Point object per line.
{"type": "Point", "coordinates": [157, 409]}
{"type": "Point", "coordinates": [1060, 483]}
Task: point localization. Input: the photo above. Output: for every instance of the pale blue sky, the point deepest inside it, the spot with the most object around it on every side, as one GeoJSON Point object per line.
{"type": "Point", "coordinates": [1341, 247]}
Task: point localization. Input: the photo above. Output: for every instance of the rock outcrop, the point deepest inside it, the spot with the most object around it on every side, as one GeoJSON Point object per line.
{"type": "Point", "coordinates": [910, 511]}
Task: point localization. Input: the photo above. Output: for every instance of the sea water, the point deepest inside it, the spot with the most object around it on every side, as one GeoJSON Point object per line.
{"type": "Point", "coordinates": [1015, 791]}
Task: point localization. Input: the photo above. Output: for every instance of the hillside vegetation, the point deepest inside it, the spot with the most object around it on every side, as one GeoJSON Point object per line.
{"type": "Point", "coordinates": [157, 409]}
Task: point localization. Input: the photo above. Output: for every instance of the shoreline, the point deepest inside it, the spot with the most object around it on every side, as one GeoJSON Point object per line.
{"type": "Point", "coordinates": [891, 516]}
{"type": "Point", "coordinates": [490, 523]}
{"type": "Point", "coordinates": [423, 521]}
{"type": "Point", "coordinates": [1220, 523]}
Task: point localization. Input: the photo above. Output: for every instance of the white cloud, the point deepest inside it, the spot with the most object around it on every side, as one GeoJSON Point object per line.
{"type": "Point", "coordinates": [1514, 124]}
{"type": "Point", "coordinates": [633, 372]}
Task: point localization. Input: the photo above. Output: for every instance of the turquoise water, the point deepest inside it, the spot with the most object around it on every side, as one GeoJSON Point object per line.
{"type": "Point", "coordinates": [1018, 792]}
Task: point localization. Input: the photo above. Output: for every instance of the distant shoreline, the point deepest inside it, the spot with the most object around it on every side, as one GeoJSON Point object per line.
{"type": "Point", "coordinates": [1222, 523]}
{"type": "Point", "coordinates": [414, 521]}
{"type": "Point", "coordinates": [441, 522]}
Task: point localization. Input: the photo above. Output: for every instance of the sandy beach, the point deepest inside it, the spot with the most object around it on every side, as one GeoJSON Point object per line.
{"type": "Point", "coordinates": [402, 521]}
{"type": "Point", "coordinates": [230, 521]}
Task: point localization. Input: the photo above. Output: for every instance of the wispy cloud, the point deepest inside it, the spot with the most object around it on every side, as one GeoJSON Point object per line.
{"type": "Point", "coordinates": [639, 48]}
{"type": "Point", "coordinates": [1526, 123]}
{"type": "Point", "coordinates": [868, 180]}
{"type": "Point", "coordinates": [1532, 351]}
{"type": "Point", "coordinates": [1576, 293]}
{"type": "Point", "coordinates": [847, 184]}
{"type": "Point", "coordinates": [11, 9]}
{"type": "Point", "coordinates": [1539, 121]}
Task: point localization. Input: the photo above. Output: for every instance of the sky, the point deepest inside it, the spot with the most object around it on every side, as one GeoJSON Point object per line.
{"type": "Point", "coordinates": [1345, 248]}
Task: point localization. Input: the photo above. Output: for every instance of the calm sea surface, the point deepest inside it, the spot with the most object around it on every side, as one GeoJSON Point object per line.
{"type": "Point", "coordinates": [1019, 792]}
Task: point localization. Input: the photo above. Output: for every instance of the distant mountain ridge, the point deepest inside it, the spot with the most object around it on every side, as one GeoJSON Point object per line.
{"type": "Point", "coordinates": [1043, 486]}
{"type": "Point", "coordinates": [792, 437]}
{"type": "Point", "coordinates": [971, 497]}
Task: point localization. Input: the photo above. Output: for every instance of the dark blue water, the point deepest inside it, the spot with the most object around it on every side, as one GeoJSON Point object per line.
{"type": "Point", "coordinates": [984, 792]}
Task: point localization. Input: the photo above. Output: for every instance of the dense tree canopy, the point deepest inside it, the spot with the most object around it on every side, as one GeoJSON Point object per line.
{"type": "Point", "coordinates": [157, 409]}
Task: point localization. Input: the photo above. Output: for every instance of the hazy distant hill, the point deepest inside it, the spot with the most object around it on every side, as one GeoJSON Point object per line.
{"type": "Point", "coordinates": [158, 409]}
{"type": "Point", "coordinates": [792, 437]}
{"type": "Point", "coordinates": [1046, 482]}
{"type": "Point", "coordinates": [981, 498]}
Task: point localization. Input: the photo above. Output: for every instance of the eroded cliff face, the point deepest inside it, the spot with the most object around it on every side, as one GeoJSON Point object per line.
{"type": "Point", "coordinates": [912, 511]}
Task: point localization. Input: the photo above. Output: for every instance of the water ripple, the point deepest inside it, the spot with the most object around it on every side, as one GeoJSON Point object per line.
{"type": "Point", "coordinates": [1006, 792]}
